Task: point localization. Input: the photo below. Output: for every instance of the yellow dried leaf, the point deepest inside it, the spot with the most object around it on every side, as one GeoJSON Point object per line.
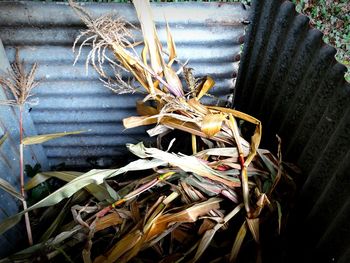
{"type": "Point", "coordinates": [189, 127]}
{"type": "Point", "coordinates": [195, 104]}
{"type": "Point", "coordinates": [171, 45]}
{"type": "Point", "coordinates": [211, 124]}
{"type": "Point", "coordinates": [46, 137]}
{"type": "Point", "coordinates": [111, 219]}
{"type": "Point", "coordinates": [255, 140]}
{"type": "Point", "coordinates": [144, 14]}
{"type": "Point", "coordinates": [124, 245]}
{"type": "Point", "coordinates": [253, 224]}
{"type": "Point", "coordinates": [143, 109]}
{"type": "Point", "coordinates": [207, 85]}
{"type": "Point", "coordinates": [238, 242]}
{"type": "Point", "coordinates": [135, 121]}
{"type": "Point", "coordinates": [190, 214]}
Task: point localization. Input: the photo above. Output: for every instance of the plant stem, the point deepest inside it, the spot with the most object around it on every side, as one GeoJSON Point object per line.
{"type": "Point", "coordinates": [21, 168]}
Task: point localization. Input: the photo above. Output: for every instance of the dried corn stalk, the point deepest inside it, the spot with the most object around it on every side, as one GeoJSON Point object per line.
{"type": "Point", "coordinates": [175, 213]}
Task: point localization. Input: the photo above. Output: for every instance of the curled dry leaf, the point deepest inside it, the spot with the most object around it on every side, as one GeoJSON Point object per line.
{"type": "Point", "coordinates": [211, 124]}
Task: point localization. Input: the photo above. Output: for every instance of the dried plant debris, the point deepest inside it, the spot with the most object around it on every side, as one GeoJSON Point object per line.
{"type": "Point", "coordinates": [165, 206]}
{"type": "Point", "coordinates": [19, 83]}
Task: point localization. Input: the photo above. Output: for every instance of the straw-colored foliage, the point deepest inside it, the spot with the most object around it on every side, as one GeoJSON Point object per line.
{"type": "Point", "coordinates": [19, 83]}
{"type": "Point", "coordinates": [177, 207]}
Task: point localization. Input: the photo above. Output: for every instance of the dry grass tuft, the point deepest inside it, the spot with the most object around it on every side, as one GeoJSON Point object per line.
{"type": "Point", "coordinates": [18, 83]}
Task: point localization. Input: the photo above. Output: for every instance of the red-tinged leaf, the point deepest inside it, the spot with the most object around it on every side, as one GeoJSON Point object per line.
{"type": "Point", "coordinates": [175, 86]}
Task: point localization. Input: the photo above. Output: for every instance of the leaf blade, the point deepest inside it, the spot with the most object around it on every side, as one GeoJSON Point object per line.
{"type": "Point", "coordinates": [47, 137]}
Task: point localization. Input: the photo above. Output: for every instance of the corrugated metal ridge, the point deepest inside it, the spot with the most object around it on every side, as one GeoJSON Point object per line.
{"type": "Point", "coordinates": [290, 80]}
{"type": "Point", "coordinates": [46, 14]}
{"type": "Point", "coordinates": [210, 37]}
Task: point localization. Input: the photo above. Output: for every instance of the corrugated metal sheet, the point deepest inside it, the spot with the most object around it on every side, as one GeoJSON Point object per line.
{"type": "Point", "coordinates": [290, 80]}
{"type": "Point", "coordinates": [9, 159]}
{"type": "Point", "coordinates": [208, 34]}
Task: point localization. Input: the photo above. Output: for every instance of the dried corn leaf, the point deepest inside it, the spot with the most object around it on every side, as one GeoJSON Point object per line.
{"type": "Point", "coordinates": [224, 152]}
{"type": "Point", "coordinates": [209, 234]}
{"type": "Point", "coordinates": [173, 80]}
{"type": "Point", "coordinates": [211, 124]}
{"type": "Point", "coordinates": [147, 227]}
{"type": "Point", "coordinates": [124, 245]}
{"type": "Point", "coordinates": [186, 163]}
{"type": "Point", "coordinates": [10, 189]}
{"type": "Point", "coordinates": [192, 195]}
{"type": "Point", "coordinates": [171, 44]}
{"type": "Point", "coordinates": [253, 224]}
{"type": "Point", "coordinates": [108, 220]}
{"type": "Point", "coordinates": [46, 137]}
{"type": "Point", "coordinates": [204, 243]}
{"type": "Point", "coordinates": [99, 191]}
{"type": "Point", "coordinates": [190, 214]}
{"type": "Point", "coordinates": [206, 86]}
{"type": "Point", "coordinates": [136, 121]}
{"type": "Point", "coordinates": [234, 127]}
{"type": "Point", "coordinates": [92, 177]}
{"type": "Point", "coordinates": [56, 223]}
{"type": "Point", "coordinates": [238, 242]}
{"type": "Point", "coordinates": [156, 211]}
{"type": "Point", "coordinates": [39, 178]}
{"type": "Point", "coordinates": [180, 235]}
{"type": "Point", "coordinates": [144, 13]}
{"type": "Point", "coordinates": [145, 110]}
{"type": "Point", "coordinates": [196, 105]}
{"type": "Point", "coordinates": [206, 225]}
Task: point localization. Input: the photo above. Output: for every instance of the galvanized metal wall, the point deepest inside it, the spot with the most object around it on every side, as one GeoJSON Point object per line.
{"type": "Point", "coordinates": [209, 35]}
{"type": "Point", "coordinates": [290, 80]}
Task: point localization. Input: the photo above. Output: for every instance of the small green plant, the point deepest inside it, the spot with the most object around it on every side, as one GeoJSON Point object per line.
{"type": "Point", "coordinates": [333, 19]}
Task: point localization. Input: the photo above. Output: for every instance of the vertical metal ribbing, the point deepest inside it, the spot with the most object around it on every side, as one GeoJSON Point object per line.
{"type": "Point", "coordinates": [291, 81]}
